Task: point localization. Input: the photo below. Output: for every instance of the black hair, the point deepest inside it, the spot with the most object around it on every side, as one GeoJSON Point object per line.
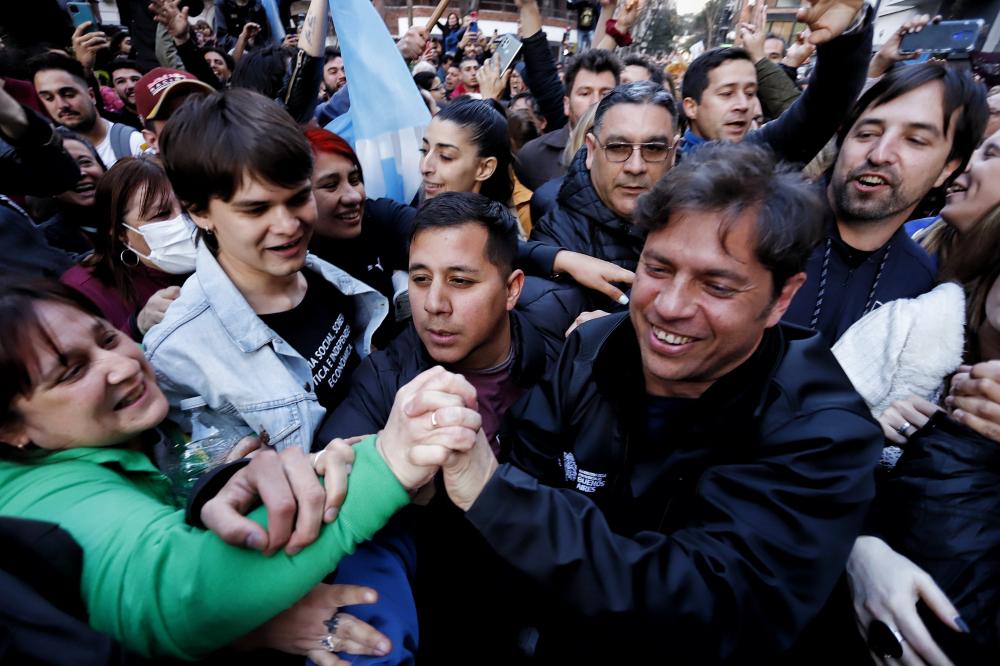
{"type": "Point", "coordinates": [264, 70]}
{"type": "Point", "coordinates": [637, 92]}
{"type": "Point", "coordinates": [124, 63]}
{"type": "Point", "coordinates": [59, 61]}
{"type": "Point", "coordinates": [960, 94]}
{"type": "Point", "coordinates": [212, 141]}
{"type": "Point", "coordinates": [425, 80]}
{"type": "Point", "coordinates": [594, 60]}
{"type": "Point", "coordinates": [331, 53]}
{"type": "Point", "coordinates": [230, 62]}
{"type": "Point", "coordinates": [784, 44]}
{"type": "Point", "coordinates": [487, 126]}
{"type": "Point", "coordinates": [66, 134]}
{"type": "Point", "coordinates": [22, 334]}
{"type": "Point", "coordinates": [535, 106]}
{"type": "Point", "coordinates": [696, 78]}
{"type": "Point", "coordinates": [655, 73]}
{"type": "Point", "coordinates": [452, 209]}
{"type": "Point", "coordinates": [736, 179]}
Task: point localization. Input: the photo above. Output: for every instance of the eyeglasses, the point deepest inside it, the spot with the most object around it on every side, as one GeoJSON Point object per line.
{"type": "Point", "coordinates": [622, 152]}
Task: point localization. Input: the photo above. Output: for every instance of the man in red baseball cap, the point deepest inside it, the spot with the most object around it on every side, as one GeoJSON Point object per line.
{"type": "Point", "coordinates": [159, 93]}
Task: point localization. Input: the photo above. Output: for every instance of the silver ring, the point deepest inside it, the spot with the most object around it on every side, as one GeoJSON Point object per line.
{"type": "Point", "coordinates": [902, 429]}
{"type": "Point", "coordinates": [434, 419]}
{"type": "Point", "coordinates": [330, 643]}
{"type": "Point", "coordinates": [316, 457]}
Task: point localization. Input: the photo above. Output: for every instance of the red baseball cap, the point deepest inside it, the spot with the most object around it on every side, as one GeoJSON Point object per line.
{"type": "Point", "coordinates": [163, 82]}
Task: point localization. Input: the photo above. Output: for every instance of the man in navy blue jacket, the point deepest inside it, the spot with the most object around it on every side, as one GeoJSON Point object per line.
{"type": "Point", "coordinates": [687, 484]}
{"type": "Point", "coordinates": [911, 133]}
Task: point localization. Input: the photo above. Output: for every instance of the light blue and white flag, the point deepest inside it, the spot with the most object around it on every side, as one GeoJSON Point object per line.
{"type": "Point", "coordinates": [274, 19]}
{"type": "Point", "coordinates": [388, 116]}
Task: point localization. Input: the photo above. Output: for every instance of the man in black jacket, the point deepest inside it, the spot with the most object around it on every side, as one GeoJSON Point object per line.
{"type": "Point", "coordinates": [719, 91]}
{"type": "Point", "coordinates": [463, 289]}
{"type": "Point", "coordinates": [629, 149]}
{"type": "Point", "coordinates": [910, 134]}
{"type": "Point", "coordinates": [688, 483]}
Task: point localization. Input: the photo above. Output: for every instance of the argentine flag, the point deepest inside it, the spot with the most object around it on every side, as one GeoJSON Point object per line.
{"type": "Point", "coordinates": [274, 20]}
{"type": "Point", "coordinates": [387, 117]}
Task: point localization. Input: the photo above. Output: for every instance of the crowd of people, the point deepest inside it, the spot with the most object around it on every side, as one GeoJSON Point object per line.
{"type": "Point", "coordinates": [653, 368]}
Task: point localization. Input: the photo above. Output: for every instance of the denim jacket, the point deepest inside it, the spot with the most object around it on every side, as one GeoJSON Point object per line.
{"type": "Point", "coordinates": [212, 349]}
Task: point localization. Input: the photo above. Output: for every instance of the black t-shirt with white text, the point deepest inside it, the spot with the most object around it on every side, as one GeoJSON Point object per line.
{"type": "Point", "coordinates": [320, 329]}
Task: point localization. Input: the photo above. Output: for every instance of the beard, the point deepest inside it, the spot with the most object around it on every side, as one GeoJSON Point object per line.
{"type": "Point", "coordinates": [853, 206]}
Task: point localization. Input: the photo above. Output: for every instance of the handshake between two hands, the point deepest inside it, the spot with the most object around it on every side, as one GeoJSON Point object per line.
{"type": "Point", "coordinates": [433, 425]}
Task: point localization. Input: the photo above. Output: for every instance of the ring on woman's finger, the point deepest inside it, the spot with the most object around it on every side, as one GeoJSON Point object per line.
{"type": "Point", "coordinates": [906, 425]}
{"type": "Point", "coordinates": [316, 457]}
{"type": "Point", "coordinates": [330, 643]}
{"type": "Point", "coordinates": [434, 419]}
{"type": "Point", "coordinates": [885, 640]}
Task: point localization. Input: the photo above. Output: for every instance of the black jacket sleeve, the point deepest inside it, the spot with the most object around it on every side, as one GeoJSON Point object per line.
{"type": "Point", "coordinates": [805, 127]}
{"type": "Point", "coordinates": [364, 411]}
{"type": "Point", "coordinates": [543, 80]}
{"type": "Point", "coordinates": [36, 163]}
{"type": "Point", "coordinates": [302, 91]}
{"type": "Point", "coordinates": [763, 544]}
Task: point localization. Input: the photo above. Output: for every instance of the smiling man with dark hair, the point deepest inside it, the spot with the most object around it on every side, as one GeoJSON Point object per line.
{"type": "Point", "coordinates": [691, 477]}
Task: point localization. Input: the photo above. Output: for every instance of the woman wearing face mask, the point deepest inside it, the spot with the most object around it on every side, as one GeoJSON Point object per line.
{"type": "Point", "coordinates": [941, 487]}
{"type": "Point", "coordinates": [73, 227]}
{"type": "Point", "coordinates": [143, 250]}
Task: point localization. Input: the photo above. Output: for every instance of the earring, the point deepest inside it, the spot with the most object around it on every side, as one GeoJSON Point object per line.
{"type": "Point", "coordinates": [130, 253]}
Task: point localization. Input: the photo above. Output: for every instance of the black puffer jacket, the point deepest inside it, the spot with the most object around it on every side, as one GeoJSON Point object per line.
{"type": "Point", "coordinates": [717, 545]}
{"type": "Point", "coordinates": [582, 223]}
{"type": "Point", "coordinates": [940, 507]}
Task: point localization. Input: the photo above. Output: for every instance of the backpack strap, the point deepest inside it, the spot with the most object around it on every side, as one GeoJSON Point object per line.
{"type": "Point", "coordinates": [120, 135]}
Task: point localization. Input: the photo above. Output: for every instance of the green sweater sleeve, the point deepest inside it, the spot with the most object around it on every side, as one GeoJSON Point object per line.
{"type": "Point", "coordinates": [162, 587]}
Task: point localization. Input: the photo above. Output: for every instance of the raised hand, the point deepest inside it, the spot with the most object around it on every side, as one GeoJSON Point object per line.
{"type": "Point", "coordinates": [87, 44]}
{"type": "Point", "coordinates": [889, 54]}
{"type": "Point", "coordinates": [173, 18]}
{"type": "Point", "coordinates": [828, 18]}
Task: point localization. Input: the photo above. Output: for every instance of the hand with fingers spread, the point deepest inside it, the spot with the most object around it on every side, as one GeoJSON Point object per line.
{"type": "Point", "coordinates": [905, 417]}
{"type": "Point", "coordinates": [974, 400]}
{"type": "Point", "coordinates": [174, 18]}
{"type": "Point", "coordinates": [315, 627]}
{"type": "Point", "coordinates": [889, 54]}
{"type": "Point", "coordinates": [753, 34]}
{"type": "Point", "coordinates": [288, 485]}
{"type": "Point", "coordinates": [886, 587]}
{"type": "Point", "coordinates": [827, 19]}
{"type": "Point", "coordinates": [432, 417]}
{"type": "Point", "coordinates": [594, 273]}
{"type": "Point", "coordinates": [87, 44]}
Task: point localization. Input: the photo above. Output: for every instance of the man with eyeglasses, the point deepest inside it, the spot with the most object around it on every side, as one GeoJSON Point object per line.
{"type": "Point", "coordinates": [628, 150]}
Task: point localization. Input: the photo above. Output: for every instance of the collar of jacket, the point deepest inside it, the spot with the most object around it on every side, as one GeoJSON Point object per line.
{"type": "Point", "coordinates": [578, 194]}
{"type": "Point", "coordinates": [690, 141]}
{"type": "Point", "coordinates": [244, 326]}
{"type": "Point", "coordinates": [740, 395]}
{"type": "Point", "coordinates": [529, 362]}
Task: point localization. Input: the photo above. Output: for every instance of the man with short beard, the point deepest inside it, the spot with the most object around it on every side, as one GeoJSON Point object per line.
{"type": "Point", "coordinates": [909, 134]}
{"type": "Point", "coordinates": [62, 86]}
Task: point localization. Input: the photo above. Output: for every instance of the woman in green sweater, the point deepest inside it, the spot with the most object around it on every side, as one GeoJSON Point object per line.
{"type": "Point", "coordinates": [80, 408]}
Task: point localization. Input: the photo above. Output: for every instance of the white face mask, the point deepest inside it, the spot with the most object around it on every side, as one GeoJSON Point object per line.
{"type": "Point", "coordinates": [171, 244]}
